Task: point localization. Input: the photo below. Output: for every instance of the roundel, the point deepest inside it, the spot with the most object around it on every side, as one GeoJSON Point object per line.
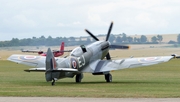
{"type": "Point", "coordinates": [74, 63]}
{"type": "Point", "coordinates": [29, 57]}
{"type": "Point", "coordinates": [149, 59]}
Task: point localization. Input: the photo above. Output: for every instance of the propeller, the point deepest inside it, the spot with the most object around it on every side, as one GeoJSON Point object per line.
{"type": "Point", "coordinates": [109, 31]}
{"type": "Point", "coordinates": [92, 35]}
{"type": "Point", "coordinates": [108, 57]}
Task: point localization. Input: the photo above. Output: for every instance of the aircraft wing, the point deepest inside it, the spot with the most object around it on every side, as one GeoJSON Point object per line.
{"type": "Point", "coordinates": [109, 65]}
{"type": "Point", "coordinates": [30, 60]}
{"type": "Point", "coordinates": [57, 70]}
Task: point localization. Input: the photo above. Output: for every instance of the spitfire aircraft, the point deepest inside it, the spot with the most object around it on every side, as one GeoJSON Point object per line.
{"type": "Point", "coordinates": [55, 52]}
{"type": "Point", "coordinates": [84, 59]}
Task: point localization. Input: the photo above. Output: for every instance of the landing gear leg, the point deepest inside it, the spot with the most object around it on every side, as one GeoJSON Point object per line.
{"type": "Point", "coordinates": [79, 77]}
{"type": "Point", "coordinates": [53, 81]}
{"type": "Point", "coordinates": [108, 77]}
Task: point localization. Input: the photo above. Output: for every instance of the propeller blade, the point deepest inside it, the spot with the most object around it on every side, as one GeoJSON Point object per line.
{"type": "Point", "coordinates": [108, 57]}
{"type": "Point", "coordinates": [119, 47]}
{"type": "Point", "coordinates": [109, 31]}
{"type": "Point", "coordinates": [92, 35]}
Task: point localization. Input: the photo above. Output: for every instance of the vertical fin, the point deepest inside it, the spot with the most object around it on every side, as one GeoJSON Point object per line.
{"type": "Point", "coordinates": [50, 65]}
{"type": "Point", "coordinates": [62, 48]}
{"type": "Point", "coordinates": [50, 61]}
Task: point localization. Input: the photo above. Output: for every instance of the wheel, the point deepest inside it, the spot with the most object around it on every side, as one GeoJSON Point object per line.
{"type": "Point", "coordinates": [79, 77]}
{"type": "Point", "coordinates": [53, 82]}
{"type": "Point", "coordinates": [108, 77]}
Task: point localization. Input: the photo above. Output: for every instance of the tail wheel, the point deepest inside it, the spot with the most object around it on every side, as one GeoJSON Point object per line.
{"type": "Point", "coordinates": [79, 77]}
{"type": "Point", "coordinates": [108, 77]}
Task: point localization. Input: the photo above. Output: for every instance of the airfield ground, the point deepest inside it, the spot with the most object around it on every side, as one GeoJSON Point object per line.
{"type": "Point", "coordinates": [77, 99]}
{"type": "Point", "coordinates": [157, 81]}
{"type": "Point", "coordinates": [135, 50]}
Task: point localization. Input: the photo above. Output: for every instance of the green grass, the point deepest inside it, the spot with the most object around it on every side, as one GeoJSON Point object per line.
{"type": "Point", "coordinates": [157, 81]}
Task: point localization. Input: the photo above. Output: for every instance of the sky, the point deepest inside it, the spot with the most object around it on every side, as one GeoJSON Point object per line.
{"type": "Point", "coordinates": [65, 18]}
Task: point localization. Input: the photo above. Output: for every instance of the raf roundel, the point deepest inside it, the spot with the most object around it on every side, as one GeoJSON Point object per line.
{"type": "Point", "coordinates": [149, 59]}
{"type": "Point", "coordinates": [29, 57]}
{"type": "Point", "coordinates": [74, 63]}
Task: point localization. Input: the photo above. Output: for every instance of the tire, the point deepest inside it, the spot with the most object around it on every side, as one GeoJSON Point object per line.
{"type": "Point", "coordinates": [79, 78]}
{"type": "Point", "coordinates": [108, 77]}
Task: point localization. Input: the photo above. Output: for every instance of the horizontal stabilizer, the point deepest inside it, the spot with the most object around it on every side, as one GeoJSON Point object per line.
{"type": "Point", "coordinates": [36, 70]}
{"type": "Point", "coordinates": [62, 51]}
{"type": "Point", "coordinates": [57, 70]}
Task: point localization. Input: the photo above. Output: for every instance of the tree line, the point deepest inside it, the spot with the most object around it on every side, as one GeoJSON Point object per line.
{"type": "Point", "coordinates": [72, 41]}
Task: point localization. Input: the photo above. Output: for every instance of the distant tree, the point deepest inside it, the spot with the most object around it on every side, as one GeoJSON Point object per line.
{"type": "Point", "coordinates": [34, 38]}
{"type": "Point", "coordinates": [57, 41]}
{"type": "Point", "coordinates": [72, 39]}
{"type": "Point", "coordinates": [14, 42]}
{"type": "Point", "coordinates": [178, 39]}
{"type": "Point", "coordinates": [112, 38]}
{"type": "Point", "coordinates": [130, 39]}
{"type": "Point", "coordinates": [172, 42]}
{"type": "Point", "coordinates": [159, 38]}
{"type": "Point", "coordinates": [49, 41]}
{"type": "Point", "coordinates": [42, 40]}
{"type": "Point", "coordinates": [6, 44]}
{"type": "Point", "coordinates": [65, 39]}
{"type": "Point", "coordinates": [42, 37]}
{"type": "Point", "coordinates": [135, 39]}
{"type": "Point", "coordinates": [154, 39]}
{"type": "Point", "coordinates": [143, 38]}
{"type": "Point", "coordinates": [138, 40]}
{"type": "Point", "coordinates": [118, 39]}
{"type": "Point", "coordinates": [1, 43]}
{"type": "Point", "coordinates": [124, 37]}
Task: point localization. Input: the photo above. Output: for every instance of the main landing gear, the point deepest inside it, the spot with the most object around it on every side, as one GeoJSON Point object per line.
{"type": "Point", "coordinates": [53, 81]}
{"type": "Point", "coordinates": [79, 78]}
{"type": "Point", "coordinates": [108, 77]}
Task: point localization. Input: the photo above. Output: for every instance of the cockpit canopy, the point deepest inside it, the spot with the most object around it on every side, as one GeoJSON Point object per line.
{"type": "Point", "coordinates": [77, 52]}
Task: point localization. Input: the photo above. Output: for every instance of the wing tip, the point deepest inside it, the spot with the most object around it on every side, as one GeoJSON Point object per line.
{"type": "Point", "coordinates": [27, 70]}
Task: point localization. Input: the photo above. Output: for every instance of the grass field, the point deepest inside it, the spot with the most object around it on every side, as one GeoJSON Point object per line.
{"type": "Point", "coordinates": [162, 80]}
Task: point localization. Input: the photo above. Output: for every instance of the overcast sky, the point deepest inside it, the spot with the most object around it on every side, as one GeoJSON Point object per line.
{"type": "Point", "coordinates": [65, 18]}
